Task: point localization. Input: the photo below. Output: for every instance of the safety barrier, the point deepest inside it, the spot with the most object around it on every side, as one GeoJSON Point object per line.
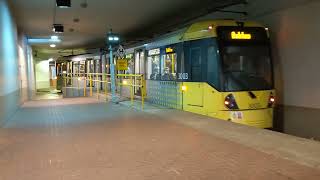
{"type": "Point", "coordinates": [101, 83]}
{"type": "Point", "coordinates": [165, 93]}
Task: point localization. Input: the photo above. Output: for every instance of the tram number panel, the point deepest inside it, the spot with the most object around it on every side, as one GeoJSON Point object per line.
{"type": "Point", "coordinates": [236, 115]}
{"type": "Point", "coordinates": [183, 76]}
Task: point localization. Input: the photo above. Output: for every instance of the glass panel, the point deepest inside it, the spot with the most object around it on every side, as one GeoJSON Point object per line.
{"type": "Point", "coordinates": [82, 67]}
{"type": "Point", "coordinates": [212, 67]}
{"type": "Point", "coordinates": [142, 62]}
{"type": "Point", "coordinates": [169, 67]}
{"type": "Point", "coordinates": [153, 68]}
{"type": "Point", "coordinates": [137, 63]}
{"type": "Point", "coordinates": [129, 57]}
{"type": "Point", "coordinates": [130, 66]}
{"type": "Point", "coordinates": [196, 64]}
{"type": "Point", "coordinates": [247, 68]}
{"type": "Point", "coordinates": [97, 67]}
{"type": "Point", "coordinates": [91, 66]}
{"type": "Point", "coordinates": [76, 67]}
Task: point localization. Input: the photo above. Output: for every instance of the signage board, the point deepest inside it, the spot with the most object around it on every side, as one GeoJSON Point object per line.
{"type": "Point", "coordinates": [121, 52]}
{"type": "Point", "coordinates": [242, 34]}
{"type": "Point", "coordinates": [154, 52]}
{"type": "Point", "coordinates": [169, 50]}
{"type": "Point", "coordinates": [122, 64]}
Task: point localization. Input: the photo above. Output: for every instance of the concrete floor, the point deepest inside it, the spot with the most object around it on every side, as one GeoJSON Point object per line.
{"type": "Point", "coordinates": [82, 138]}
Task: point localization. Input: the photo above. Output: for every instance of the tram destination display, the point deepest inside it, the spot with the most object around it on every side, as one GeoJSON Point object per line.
{"type": "Point", "coordinates": [240, 34]}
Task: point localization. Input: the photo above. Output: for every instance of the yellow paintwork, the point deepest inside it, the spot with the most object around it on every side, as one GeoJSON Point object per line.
{"type": "Point", "coordinates": [203, 99]}
{"type": "Point", "coordinates": [200, 30]}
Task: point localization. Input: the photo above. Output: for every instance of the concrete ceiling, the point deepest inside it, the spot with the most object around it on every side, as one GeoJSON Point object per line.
{"type": "Point", "coordinates": [35, 17]}
{"type": "Point", "coordinates": [133, 19]}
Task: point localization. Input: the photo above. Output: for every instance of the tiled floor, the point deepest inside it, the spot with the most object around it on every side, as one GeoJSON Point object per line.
{"type": "Point", "coordinates": [75, 139]}
{"type": "Point", "coordinates": [47, 95]}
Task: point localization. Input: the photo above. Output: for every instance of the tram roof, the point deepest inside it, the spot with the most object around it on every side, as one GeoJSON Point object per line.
{"type": "Point", "coordinates": [198, 30]}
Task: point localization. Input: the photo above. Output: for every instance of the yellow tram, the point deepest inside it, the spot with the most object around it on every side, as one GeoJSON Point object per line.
{"type": "Point", "coordinates": [219, 68]}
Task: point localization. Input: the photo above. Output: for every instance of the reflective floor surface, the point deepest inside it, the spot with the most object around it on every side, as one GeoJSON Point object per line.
{"type": "Point", "coordinates": [83, 139]}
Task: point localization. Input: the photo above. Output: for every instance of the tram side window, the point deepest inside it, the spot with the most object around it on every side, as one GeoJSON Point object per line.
{"type": "Point", "coordinates": [213, 67]}
{"type": "Point", "coordinates": [153, 69]}
{"type": "Point", "coordinates": [196, 64]}
{"type": "Point", "coordinates": [169, 67]}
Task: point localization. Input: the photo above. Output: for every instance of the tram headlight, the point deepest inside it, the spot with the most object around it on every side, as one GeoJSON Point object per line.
{"type": "Point", "coordinates": [184, 88]}
{"type": "Point", "coordinates": [272, 100]}
{"type": "Point", "coordinates": [230, 102]}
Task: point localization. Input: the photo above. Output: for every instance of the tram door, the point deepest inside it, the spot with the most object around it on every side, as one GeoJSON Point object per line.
{"type": "Point", "coordinates": [139, 67]}
{"type": "Point", "coordinates": [195, 58]}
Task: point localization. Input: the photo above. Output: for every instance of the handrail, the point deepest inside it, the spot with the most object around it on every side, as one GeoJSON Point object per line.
{"type": "Point", "coordinates": [131, 81]}
{"type": "Point", "coordinates": [101, 74]}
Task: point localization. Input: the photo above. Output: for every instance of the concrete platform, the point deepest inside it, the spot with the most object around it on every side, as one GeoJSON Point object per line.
{"type": "Point", "coordinates": [82, 138]}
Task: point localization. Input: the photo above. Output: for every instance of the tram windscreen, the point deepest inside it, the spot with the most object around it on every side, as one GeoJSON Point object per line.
{"type": "Point", "coordinates": [247, 68]}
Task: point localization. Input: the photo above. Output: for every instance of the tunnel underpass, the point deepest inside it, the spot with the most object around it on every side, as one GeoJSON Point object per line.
{"type": "Point", "coordinates": [155, 89]}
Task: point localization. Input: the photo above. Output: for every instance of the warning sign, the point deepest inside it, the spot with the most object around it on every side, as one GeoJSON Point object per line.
{"type": "Point", "coordinates": [121, 52]}
{"type": "Point", "coordinates": [122, 64]}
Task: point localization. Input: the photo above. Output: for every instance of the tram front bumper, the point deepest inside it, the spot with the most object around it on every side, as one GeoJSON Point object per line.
{"type": "Point", "coordinates": [260, 118]}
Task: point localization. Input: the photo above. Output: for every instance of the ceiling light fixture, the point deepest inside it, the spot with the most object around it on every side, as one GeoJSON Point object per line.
{"type": "Point", "coordinates": [55, 38]}
{"type": "Point", "coordinates": [84, 4]}
{"type": "Point", "coordinates": [43, 41]}
{"type": "Point", "coordinates": [58, 28]}
{"type": "Point", "coordinates": [112, 38]}
{"type": "Point", "coordinates": [53, 45]}
{"type": "Point", "coordinates": [76, 20]}
{"type": "Point", "coordinates": [63, 3]}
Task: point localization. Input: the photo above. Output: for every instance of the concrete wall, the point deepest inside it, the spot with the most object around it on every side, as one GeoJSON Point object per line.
{"type": "Point", "coordinates": [295, 37]}
{"type": "Point", "coordinates": [13, 65]}
{"type": "Point", "coordinates": [23, 68]}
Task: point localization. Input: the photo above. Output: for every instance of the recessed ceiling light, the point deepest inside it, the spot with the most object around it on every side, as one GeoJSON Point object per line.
{"type": "Point", "coordinates": [53, 45]}
{"type": "Point", "coordinates": [76, 20]}
{"type": "Point", "coordinates": [55, 38]}
{"type": "Point", "coordinates": [63, 3]}
{"type": "Point", "coordinates": [58, 28]}
{"type": "Point", "coordinates": [84, 5]}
